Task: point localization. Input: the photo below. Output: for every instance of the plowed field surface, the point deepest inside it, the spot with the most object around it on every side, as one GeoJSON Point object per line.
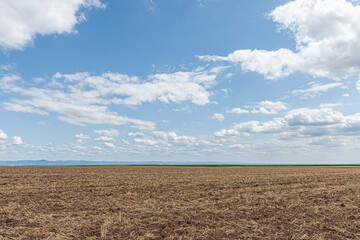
{"type": "Point", "coordinates": [134, 202]}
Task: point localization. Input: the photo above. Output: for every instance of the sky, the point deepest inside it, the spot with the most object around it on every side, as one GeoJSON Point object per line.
{"type": "Point", "coordinates": [180, 81]}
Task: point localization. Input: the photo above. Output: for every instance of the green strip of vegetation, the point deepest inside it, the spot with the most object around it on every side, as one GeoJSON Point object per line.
{"type": "Point", "coordinates": [234, 165]}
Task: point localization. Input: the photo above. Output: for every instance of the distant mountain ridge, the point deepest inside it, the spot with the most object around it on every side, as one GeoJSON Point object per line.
{"type": "Point", "coordinates": [91, 163]}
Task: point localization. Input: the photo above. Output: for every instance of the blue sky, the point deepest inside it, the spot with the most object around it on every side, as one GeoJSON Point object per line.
{"type": "Point", "coordinates": [196, 80]}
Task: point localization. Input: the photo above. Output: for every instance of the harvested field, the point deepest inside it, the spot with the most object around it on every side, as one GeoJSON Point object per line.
{"type": "Point", "coordinates": [126, 202]}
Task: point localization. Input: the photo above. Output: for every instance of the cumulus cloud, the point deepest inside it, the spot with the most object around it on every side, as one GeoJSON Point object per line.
{"type": "Point", "coordinates": [269, 107]}
{"type": "Point", "coordinates": [218, 117]}
{"type": "Point", "coordinates": [272, 64]}
{"type": "Point", "coordinates": [237, 111]}
{"type": "Point", "coordinates": [314, 117]}
{"type": "Point", "coordinates": [96, 148]}
{"type": "Point", "coordinates": [81, 136]}
{"type": "Point", "coordinates": [326, 34]}
{"type": "Point", "coordinates": [109, 133]}
{"type": "Point", "coordinates": [297, 120]}
{"type": "Point", "coordinates": [300, 123]}
{"type": "Point", "coordinates": [105, 139]}
{"type": "Point", "coordinates": [22, 20]}
{"type": "Point", "coordinates": [256, 127]}
{"type": "Point", "coordinates": [136, 134]}
{"type": "Point", "coordinates": [166, 140]}
{"type": "Point", "coordinates": [17, 140]}
{"type": "Point", "coordinates": [175, 87]}
{"type": "Point", "coordinates": [82, 98]}
{"type": "Point", "coordinates": [238, 146]}
{"type": "Point", "coordinates": [172, 136]}
{"type": "Point", "coordinates": [3, 135]}
{"type": "Point", "coordinates": [145, 141]}
{"type": "Point", "coordinates": [73, 104]}
{"type": "Point", "coordinates": [226, 133]}
{"type": "Point", "coordinates": [108, 144]}
{"type": "Point", "coordinates": [315, 89]}
{"type": "Point", "coordinates": [263, 107]}
{"type": "Point", "coordinates": [167, 87]}
{"type": "Point", "coordinates": [358, 85]}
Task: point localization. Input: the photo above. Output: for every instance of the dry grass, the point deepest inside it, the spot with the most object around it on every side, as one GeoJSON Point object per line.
{"type": "Point", "coordinates": [179, 203]}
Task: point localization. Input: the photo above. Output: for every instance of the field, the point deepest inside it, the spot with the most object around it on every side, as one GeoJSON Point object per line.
{"type": "Point", "coordinates": [144, 202]}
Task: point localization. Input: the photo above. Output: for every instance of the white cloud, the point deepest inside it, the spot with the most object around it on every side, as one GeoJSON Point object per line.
{"type": "Point", "coordinates": [81, 136]}
{"type": "Point", "coordinates": [272, 64]}
{"type": "Point", "coordinates": [17, 140]}
{"type": "Point", "coordinates": [171, 87]}
{"type": "Point", "coordinates": [218, 117]}
{"type": "Point", "coordinates": [358, 85]}
{"type": "Point", "coordinates": [109, 145]}
{"type": "Point", "coordinates": [238, 111]}
{"type": "Point", "coordinates": [302, 130]}
{"type": "Point", "coordinates": [330, 105]}
{"type": "Point", "coordinates": [136, 134]}
{"type": "Point", "coordinates": [105, 139]}
{"type": "Point", "coordinates": [269, 107]}
{"type": "Point", "coordinates": [3, 135]}
{"type": "Point", "coordinates": [22, 20]}
{"type": "Point", "coordinates": [224, 90]}
{"type": "Point", "coordinates": [315, 117]}
{"type": "Point", "coordinates": [145, 141]}
{"type": "Point", "coordinates": [315, 89]}
{"type": "Point", "coordinates": [96, 148]}
{"type": "Point", "coordinates": [299, 123]}
{"type": "Point", "coordinates": [109, 133]}
{"type": "Point", "coordinates": [239, 146]}
{"type": "Point", "coordinates": [218, 69]}
{"type": "Point", "coordinates": [263, 107]}
{"type": "Point", "coordinates": [175, 87]}
{"type": "Point", "coordinates": [257, 127]}
{"type": "Point", "coordinates": [19, 107]}
{"type": "Point", "coordinates": [226, 133]}
{"type": "Point", "coordinates": [6, 67]}
{"type": "Point", "coordinates": [326, 34]}
{"type": "Point", "coordinates": [8, 83]}
{"type": "Point", "coordinates": [75, 106]}
{"type": "Point", "coordinates": [161, 140]}
{"type": "Point", "coordinates": [329, 141]}
{"type": "Point", "coordinates": [82, 99]}
{"type": "Point", "coordinates": [172, 136]}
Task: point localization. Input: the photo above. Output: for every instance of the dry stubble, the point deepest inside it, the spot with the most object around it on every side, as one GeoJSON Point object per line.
{"type": "Point", "coordinates": [124, 202]}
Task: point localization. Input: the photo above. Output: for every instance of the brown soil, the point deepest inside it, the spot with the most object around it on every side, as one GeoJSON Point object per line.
{"type": "Point", "coordinates": [123, 202]}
